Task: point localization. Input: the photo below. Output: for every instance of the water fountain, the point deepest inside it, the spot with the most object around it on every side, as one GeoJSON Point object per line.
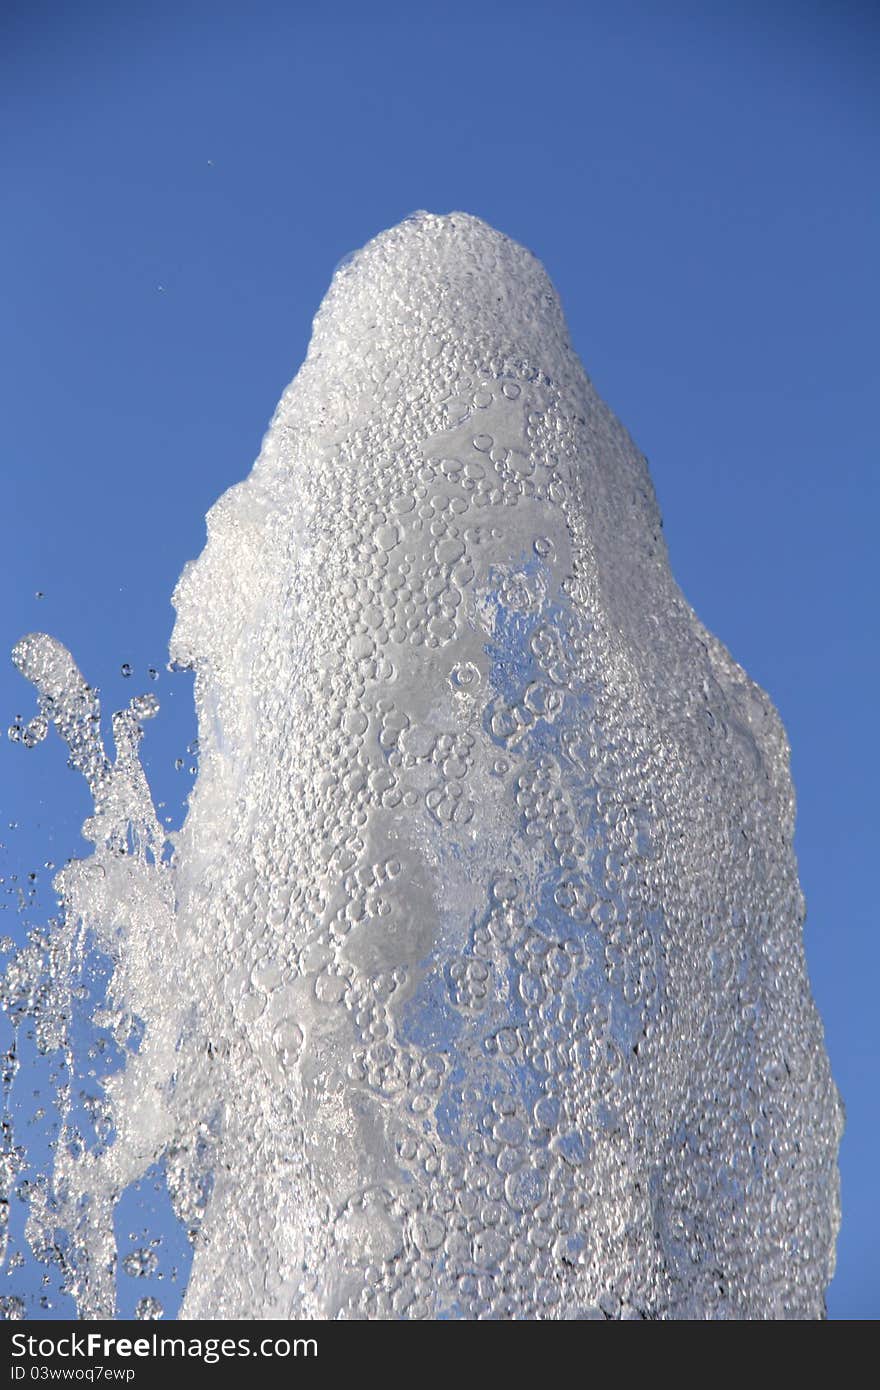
{"type": "Point", "coordinates": [473, 985]}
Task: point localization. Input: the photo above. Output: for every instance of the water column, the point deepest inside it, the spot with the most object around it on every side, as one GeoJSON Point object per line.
{"type": "Point", "coordinates": [484, 926]}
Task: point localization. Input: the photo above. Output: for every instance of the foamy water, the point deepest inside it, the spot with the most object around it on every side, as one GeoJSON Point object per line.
{"type": "Point", "coordinates": [473, 985]}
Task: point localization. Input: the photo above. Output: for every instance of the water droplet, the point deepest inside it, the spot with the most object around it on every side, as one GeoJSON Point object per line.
{"type": "Point", "coordinates": [149, 1310]}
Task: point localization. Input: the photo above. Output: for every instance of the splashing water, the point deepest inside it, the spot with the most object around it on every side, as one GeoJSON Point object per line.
{"type": "Point", "coordinates": [473, 985]}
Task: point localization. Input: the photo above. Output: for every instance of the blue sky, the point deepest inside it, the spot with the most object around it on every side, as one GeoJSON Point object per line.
{"type": "Point", "coordinates": [700, 181]}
